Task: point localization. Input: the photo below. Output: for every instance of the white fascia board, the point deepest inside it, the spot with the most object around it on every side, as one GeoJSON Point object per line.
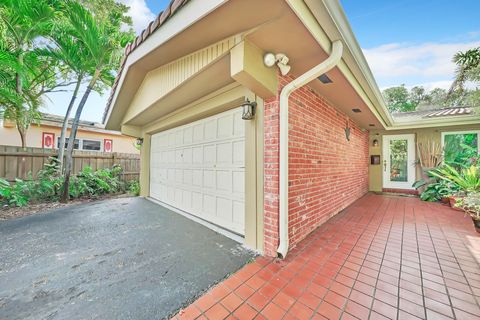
{"type": "Point", "coordinates": [431, 123]}
{"type": "Point", "coordinates": [338, 16]}
{"type": "Point", "coordinates": [181, 20]}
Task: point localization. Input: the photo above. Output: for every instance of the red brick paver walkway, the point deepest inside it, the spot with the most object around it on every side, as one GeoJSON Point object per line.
{"type": "Point", "coordinates": [382, 258]}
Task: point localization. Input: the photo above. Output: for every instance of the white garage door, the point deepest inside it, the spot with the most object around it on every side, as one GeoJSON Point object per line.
{"type": "Point", "coordinates": [199, 168]}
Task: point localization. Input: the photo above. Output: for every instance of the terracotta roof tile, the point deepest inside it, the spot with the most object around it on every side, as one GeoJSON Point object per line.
{"type": "Point", "coordinates": [171, 9]}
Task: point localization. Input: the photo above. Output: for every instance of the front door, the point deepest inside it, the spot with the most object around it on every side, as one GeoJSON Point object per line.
{"type": "Point", "coordinates": [399, 161]}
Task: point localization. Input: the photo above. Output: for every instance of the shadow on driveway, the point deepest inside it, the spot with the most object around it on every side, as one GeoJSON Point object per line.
{"type": "Point", "coordinates": [125, 258]}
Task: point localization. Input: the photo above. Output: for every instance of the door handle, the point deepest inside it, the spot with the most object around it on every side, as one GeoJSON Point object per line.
{"type": "Point", "coordinates": [385, 165]}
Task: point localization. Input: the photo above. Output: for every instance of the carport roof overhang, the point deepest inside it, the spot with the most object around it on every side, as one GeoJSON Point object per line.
{"type": "Point", "coordinates": [303, 29]}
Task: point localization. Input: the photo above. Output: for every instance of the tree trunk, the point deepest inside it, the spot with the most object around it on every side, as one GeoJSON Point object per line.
{"type": "Point", "coordinates": [73, 134]}
{"type": "Point", "coordinates": [23, 136]}
{"type": "Point", "coordinates": [19, 89]}
{"type": "Point", "coordinates": [63, 133]}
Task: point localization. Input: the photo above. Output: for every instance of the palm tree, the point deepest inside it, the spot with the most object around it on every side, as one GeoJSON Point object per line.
{"type": "Point", "coordinates": [103, 41]}
{"type": "Point", "coordinates": [24, 22]}
{"type": "Point", "coordinates": [468, 69]}
{"type": "Point", "coordinates": [73, 55]}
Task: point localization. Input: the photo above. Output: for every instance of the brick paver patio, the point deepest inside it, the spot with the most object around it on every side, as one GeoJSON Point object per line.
{"type": "Point", "coordinates": [384, 257]}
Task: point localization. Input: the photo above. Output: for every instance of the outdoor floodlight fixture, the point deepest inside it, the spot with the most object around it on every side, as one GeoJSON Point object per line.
{"type": "Point", "coordinates": [280, 59]}
{"type": "Point", "coordinates": [248, 112]}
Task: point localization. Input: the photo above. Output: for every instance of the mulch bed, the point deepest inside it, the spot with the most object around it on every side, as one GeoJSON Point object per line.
{"type": "Point", "coordinates": [7, 213]}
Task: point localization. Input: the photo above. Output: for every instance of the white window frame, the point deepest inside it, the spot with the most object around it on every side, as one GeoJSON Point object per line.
{"type": "Point", "coordinates": [97, 140]}
{"type": "Point", "coordinates": [445, 133]}
{"type": "Point", "coordinates": [80, 144]}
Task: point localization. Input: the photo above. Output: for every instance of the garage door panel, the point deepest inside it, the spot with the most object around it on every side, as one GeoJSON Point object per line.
{"type": "Point", "coordinates": [200, 168]}
{"type": "Point", "coordinates": [238, 182]}
{"type": "Point", "coordinates": [210, 129]}
{"type": "Point", "coordinates": [209, 204]}
{"type": "Point", "coordinates": [238, 211]}
{"type": "Point", "coordinates": [187, 155]}
{"type": "Point", "coordinates": [224, 180]}
{"type": "Point", "coordinates": [178, 197]}
{"type": "Point", "coordinates": [198, 132]}
{"type": "Point", "coordinates": [238, 125]}
{"type": "Point", "coordinates": [209, 154]}
{"type": "Point", "coordinates": [197, 178]}
{"type": "Point", "coordinates": [187, 200]}
{"type": "Point", "coordinates": [225, 128]}
{"type": "Point", "coordinates": [209, 179]}
{"type": "Point", "coordinates": [238, 152]}
{"type": "Point", "coordinates": [224, 209]}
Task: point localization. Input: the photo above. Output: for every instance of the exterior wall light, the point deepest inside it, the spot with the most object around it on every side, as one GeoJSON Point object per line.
{"type": "Point", "coordinates": [139, 141]}
{"type": "Point", "coordinates": [280, 59]}
{"type": "Point", "coordinates": [375, 143]}
{"type": "Point", "coordinates": [248, 112]}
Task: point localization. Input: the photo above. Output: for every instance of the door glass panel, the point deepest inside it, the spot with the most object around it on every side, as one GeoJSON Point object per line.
{"type": "Point", "coordinates": [399, 160]}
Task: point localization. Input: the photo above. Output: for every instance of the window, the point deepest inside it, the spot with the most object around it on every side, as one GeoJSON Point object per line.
{"type": "Point", "coordinates": [92, 145]}
{"type": "Point", "coordinates": [84, 144]}
{"type": "Point", "coordinates": [460, 146]}
{"type": "Point", "coordinates": [76, 144]}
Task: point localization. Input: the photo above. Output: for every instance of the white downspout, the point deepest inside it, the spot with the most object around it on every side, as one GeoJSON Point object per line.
{"type": "Point", "coordinates": [328, 64]}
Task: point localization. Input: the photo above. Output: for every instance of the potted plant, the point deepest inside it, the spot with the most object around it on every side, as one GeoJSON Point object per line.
{"type": "Point", "coordinates": [435, 189]}
{"type": "Point", "coordinates": [467, 180]}
{"type": "Point", "coordinates": [471, 205]}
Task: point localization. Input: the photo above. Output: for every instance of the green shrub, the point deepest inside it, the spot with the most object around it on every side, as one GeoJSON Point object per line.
{"type": "Point", "coordinates": [437, 190]}
{"type": "Point", "coordinates": [467, 179]}
{"type": "Point", "coordinates": [134, 187]}
{"type": "Point", "coordinates": [16, 194]}
{"type": "Point", "coordinates": [95, 183]}
{"type": "Point", "coordinates": [49, 185]}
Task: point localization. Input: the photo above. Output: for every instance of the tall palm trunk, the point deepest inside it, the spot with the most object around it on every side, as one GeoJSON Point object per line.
{"type": "Point", "coordinates": [61, 142]}
{"type": "Point", "coordinates": [73, 134]}
{"type": "Point", "coordinates": [23, 135]}
{"type": "Point", "coordinates": [19, 89]}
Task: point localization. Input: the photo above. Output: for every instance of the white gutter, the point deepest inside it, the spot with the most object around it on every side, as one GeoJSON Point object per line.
{"type": "Point", "coordinates": [315, 72]}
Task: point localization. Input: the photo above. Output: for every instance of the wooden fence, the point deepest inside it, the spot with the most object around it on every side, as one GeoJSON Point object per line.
{"type": "Point", "coordinates": [17, 162]}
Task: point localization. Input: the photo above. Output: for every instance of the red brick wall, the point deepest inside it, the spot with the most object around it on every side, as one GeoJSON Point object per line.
{"type": "Point", "coordinates": [326, 172]}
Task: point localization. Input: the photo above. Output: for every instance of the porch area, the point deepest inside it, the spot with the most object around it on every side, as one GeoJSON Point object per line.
{"type": "Point", "coordinates": [384, 257]}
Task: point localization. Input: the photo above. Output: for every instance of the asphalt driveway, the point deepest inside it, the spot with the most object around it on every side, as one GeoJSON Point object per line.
{"type": "Point", "coordinates": [124, 258]}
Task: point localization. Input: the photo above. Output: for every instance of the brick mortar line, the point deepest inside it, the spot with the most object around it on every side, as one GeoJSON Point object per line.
{"type": "Point", "coordinates": [363, 261]}
{"type": "Point", "coordinates": [318, 273]}
{"type": "Point", "coordinates": [456, 260]}
{"type": "Point", "coordinates": [381, 264]}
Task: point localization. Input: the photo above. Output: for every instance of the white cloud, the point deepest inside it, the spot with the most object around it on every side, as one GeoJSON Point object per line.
{"type": "Point", "coordinates": [140, 13]}
{"type": "Point", "coordinates": [427, 60]}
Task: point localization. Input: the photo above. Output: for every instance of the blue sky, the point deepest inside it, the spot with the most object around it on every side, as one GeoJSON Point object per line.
{"type": "Point", "coordinates": [407, 42]}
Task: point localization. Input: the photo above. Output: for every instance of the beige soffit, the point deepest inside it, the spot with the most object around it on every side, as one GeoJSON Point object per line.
{"type": "Point", "coordinates": [172, 22]}
{"type": "Point", "coordinates": [331, 22]}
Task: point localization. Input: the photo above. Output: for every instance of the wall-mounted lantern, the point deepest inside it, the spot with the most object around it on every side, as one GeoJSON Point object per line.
{"type": "Point", "coordinates": [375, 143]}
{"type": "Point", "coordinates": [248, 112]}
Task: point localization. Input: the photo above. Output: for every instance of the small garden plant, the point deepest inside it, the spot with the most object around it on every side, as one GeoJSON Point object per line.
{"type": "Point", "coordinates": [48, 186]}
{"type": "Point", "coordinates": [471, 205]}
{"type": "Point", "coordinates": [458, 181]}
